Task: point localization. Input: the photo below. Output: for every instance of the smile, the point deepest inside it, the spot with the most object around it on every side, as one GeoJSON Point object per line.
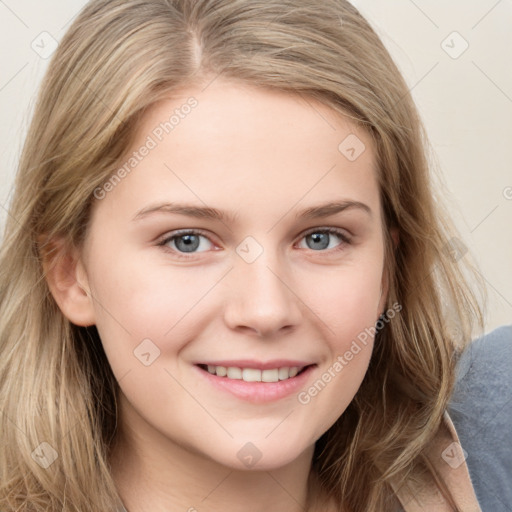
{"type": "Point", "coordinates": [254, 374]}
{"type": "Point", "coordinates": [256, 385]}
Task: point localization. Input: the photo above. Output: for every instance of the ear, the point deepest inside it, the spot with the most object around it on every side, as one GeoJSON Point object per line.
{"type": "Point", "coordinates": [67, 281]}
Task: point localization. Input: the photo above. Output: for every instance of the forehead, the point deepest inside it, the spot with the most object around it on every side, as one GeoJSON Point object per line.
{"type": "Point", "coordinates": [250, 148]}
{"type": "Point", "coordinates": [225, 108]}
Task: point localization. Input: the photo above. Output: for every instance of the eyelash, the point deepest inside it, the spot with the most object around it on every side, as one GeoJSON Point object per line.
{"type": "Point", "coordinates": [345, 240]}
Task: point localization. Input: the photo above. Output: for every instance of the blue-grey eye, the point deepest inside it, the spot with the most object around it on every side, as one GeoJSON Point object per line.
{"type": "Point", "coordinates": [322, 239]}
{"type": "Point", "coordinates": [187, 242]}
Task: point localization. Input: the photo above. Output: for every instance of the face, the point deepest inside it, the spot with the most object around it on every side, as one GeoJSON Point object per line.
{"type": "Point", "coordinates": [269, 281]}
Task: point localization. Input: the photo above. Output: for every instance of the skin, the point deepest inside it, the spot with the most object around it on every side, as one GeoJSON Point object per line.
{"type": "Point", "coordinates": [264, 156]}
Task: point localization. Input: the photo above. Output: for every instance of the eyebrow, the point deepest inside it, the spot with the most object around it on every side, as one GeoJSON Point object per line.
{"type": "Point", "coordinates": [314, 212]}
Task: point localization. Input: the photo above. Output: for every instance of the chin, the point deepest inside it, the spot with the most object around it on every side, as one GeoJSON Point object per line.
{"type": "Point", "coordinates": [260, 456]}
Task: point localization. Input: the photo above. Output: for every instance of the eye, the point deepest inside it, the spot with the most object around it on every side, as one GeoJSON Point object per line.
{"type": "Point", "coordinates": [186, 241]}
{"type": "Point", "coordinates": [320, 239]}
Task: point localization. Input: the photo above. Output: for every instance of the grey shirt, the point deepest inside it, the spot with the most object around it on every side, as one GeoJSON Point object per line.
{"type": "Point", "coordinates": [481, 410]}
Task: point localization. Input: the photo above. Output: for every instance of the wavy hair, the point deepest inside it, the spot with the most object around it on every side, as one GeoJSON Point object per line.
{"type": "Point", "coordinates": [117, 59]}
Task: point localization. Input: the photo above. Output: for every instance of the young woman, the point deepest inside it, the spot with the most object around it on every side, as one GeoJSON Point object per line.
{"type": "Point", "coordinates": [225, 281]}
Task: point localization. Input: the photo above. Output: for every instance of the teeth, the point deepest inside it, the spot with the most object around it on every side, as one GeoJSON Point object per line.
{"type": "Point", "coordinates": [270, 375]}
{"type": "Point", "coordinates": [251, 375]}
{"type": "Point", "coordinates": [234, 373]}
{"type": "Point", "coordinates": [254, 375]}
{"type": "Point", "coordinates": [283, 373]}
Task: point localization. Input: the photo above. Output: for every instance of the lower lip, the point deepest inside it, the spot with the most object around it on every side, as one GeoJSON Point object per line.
{"type": "Point", "coordinates": [258, 392]}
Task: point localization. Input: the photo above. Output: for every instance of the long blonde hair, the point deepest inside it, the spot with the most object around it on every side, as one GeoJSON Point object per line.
{"type": "Point", "coordinates": [118, 58]}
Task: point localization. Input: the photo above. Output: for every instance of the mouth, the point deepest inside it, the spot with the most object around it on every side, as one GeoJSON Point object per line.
{"type": "Point", "coordinates": [256, 385]}
{"type": "Point", "coordinates": [254, 374]}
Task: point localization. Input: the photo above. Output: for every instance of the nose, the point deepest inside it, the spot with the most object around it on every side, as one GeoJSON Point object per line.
{"type": "Point", "coordinates": [262, 299]}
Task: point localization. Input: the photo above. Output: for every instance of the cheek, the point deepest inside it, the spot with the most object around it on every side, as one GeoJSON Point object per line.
{"type": "Point", "coordinates": [349, 339]}
{"type": "Point", "coordinates": [137, 300]}
{"type": "Point", "coordinates": [140, 298]}
{"type": "Point", "coordinates": [345, 298]}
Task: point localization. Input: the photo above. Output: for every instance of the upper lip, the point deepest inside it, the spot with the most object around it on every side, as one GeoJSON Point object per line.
{"type": "Point", "coordinates": [258, 365]}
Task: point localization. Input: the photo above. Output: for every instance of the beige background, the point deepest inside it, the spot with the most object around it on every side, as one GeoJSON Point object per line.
{"type": "Point", "coordinates": [457, 58]}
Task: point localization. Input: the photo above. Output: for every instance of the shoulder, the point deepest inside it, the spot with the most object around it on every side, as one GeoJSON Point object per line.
{"type": "Point", "coordinates": [481, 410]}
{"type": "Point", "coordinates": [484, 376]}
{"type": "Point", "coordinates": [491, 350]}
